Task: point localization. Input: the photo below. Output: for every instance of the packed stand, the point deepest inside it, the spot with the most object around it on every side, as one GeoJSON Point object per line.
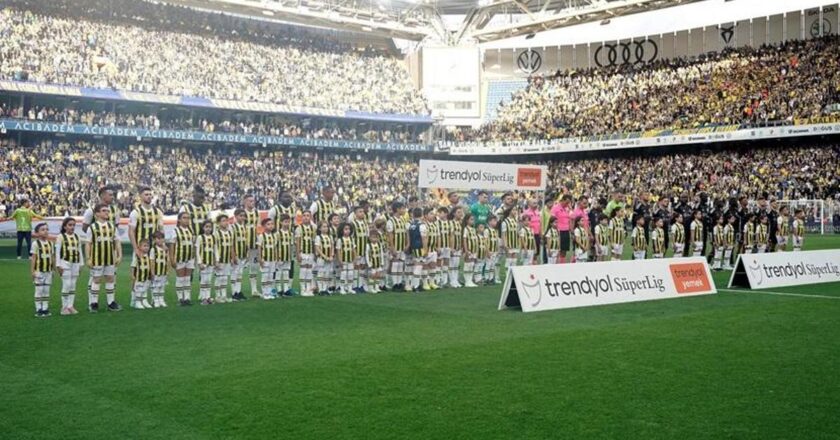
{"type": "Point", "coordinates": [246, 66]}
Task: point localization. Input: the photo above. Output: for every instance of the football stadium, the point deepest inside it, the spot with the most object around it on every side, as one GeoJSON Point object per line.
{"type": "Point", "coordinates": [432, 219]}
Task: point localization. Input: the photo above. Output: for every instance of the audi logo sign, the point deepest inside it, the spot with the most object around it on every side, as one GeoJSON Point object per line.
{"type": "Point", "coordinates": [529, 61]}
{"type": "Point", "coordinates": [625, 54]}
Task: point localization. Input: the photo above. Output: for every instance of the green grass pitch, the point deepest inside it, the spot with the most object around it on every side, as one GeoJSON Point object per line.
{"type": "Point", "coordinates": [440, 365]}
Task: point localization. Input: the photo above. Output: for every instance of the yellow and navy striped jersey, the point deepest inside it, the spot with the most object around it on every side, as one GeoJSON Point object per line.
{"type": "Point", "coordinates": [113, 215]}
{"type": "Point", "coordinates": [142, 268]}
{"type": "Point", "coordinates": [483, 245]}
{"type": "Point", "coordinates": [493, 237]}
{"type": "Point", "coordinates": [267, 244]}
{"type": "Point", "coordinates": [657, 240]}
{"type": "Point", "coordinates": [783, 229]}
{"type": "Point", "coordinates": [749, 234]}
{"type": "Point", "coordinates": [375, 255]}
{"type": "Point", "coordinates": [526, 239]}
{"type": "Point", "coordinates": [581, 239]}
{"type": "Point", "coordinates": [224, 245]}
{"type": "Point", "coordinates": [762, 233]}
{"type": "Point", "coordinates": [639, 239]}
{"type": "Point", "coordinates": [346, 247]}
{"type": "Point", "coordinates": [44, 254]}
{"type": "Point", "coordinates": [457, 234]}
{"type": "Point", "coordinates": [198, 214]}
{"type": "Point", "coordinates": [729, 235]}
{"type": "Point", "coordinates": [205, 247]}
{"type": "Point", "coordinates": [510, 232]}
{"type": "Point", "coordinates": [361, 233]}
{"type": "Point", "coordinates": [325, 209]}
{"type": "Point", "coordinates": [159, 259]}
{"type": "Point", "coordinates": [240, 240]}
{"type": "Point", "coordinates": [552, 239]}
{"type": "Point", "coordinates": [70, 248]}
{"type": "Point", "coordinates": [445, 227]}
{"type": "Point", "coordinates": [184, 245]}
{"type": "Point", "coordinates": [252, 219]}
{"type": "Point", "coordinates": [324, 245]}
{"type": "Point", "coordinates": [617, 232]}
{"type": "Point", "coordinates": [471, 241]}
{"type": "Point", "coordinates": [602, 235]}
{"type": "Point", "coordinates": [148, 221]}
{"type": "Point", "coordinates": [399, 227]}
{"type": "Point", "coordinates": [678, 231]}
{"type": "Point", "coordinates": [798, 227]}
{"type": "Point", "coordinates": [102, 238]}
{"type": "Point", "coordinates": [306, 235]}
{"type": "Point", "coordinates": [285, 239]}
{"type": "Point", "coordinates": [433, 234]}
{"type": "Point", "coordinates": [696, 230]}
{"type": "Point", "coordinates": [718, 236]}
{"type": "Point", "coordinates": [278, 210]}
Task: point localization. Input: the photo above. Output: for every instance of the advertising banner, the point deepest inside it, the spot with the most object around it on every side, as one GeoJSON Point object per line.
{"type": "Point", "coordinates": [564, 286]}
{"type": "Point", "coordinates": [481, 175]}
{"type": "Point", "coordinates": [780, 269]}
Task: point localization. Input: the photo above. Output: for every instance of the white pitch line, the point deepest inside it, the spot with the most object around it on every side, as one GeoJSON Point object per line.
{"type": "Point", "coordinates": [780, 293]}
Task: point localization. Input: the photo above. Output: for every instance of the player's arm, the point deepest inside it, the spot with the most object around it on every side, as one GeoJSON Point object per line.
{"type": "Point", "coordinates": [389, 235]}
{"type": "Point", "coordinates": [198, 252]}
{"type": "Point", "coordinates": [259, 250]}
{"type": "Point", "coordinates": [298, 240]}
{"type": "Point", "coordinates": [58, 243]}
{"type": "Point", "coordinates": [118, 253]}
{"type": "Point", "coordinates": [424, 237]}
{"type": "Point", "coordinates": [132, 229]}
{"type": "Point", "coordinates": [33, 259]}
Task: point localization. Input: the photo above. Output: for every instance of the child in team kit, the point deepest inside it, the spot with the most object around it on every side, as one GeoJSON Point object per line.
{"type": "Point", "coordinates": [718, 244]}
{"type": "Point", "coordinates": [581, 238]}
{"type": "Point", "coordinates": [481, 255]}
{"type": "Point", "coordinates": [639, 239]}
{"type": "Point", "coordinates": [798, 229]}
{"type": "Point", "coordinates": [527, 243]}
{"type": "Point", "coordinates": [678, 236]}
{"type": "Point", "coordinates": [375, 259]}
{"type": "Point", "coordinates": [749, 234]}
{"type": "Point", "coordinates": [325, 251]}
{"type": "Point", "coordinates": [206, 260]}
{"type": "Point", "coordinates": [491, 271]}
{"type": "Point", "coordinates": [42, 264]}
{"type": "Point", "coordinates": [141, 276]}
{"type": "Point", "coordinates": [305, 246]}
{"type": "Point", "coordinates": [242, 253]}
{"type": "Point", "coordinates": [696, 229]}
{"type": "Point", "coordinates": [285, 239]}
{"type": "Point", "coordinates": [782, 229]}
{"type": "Point", "coordinates": [509, 230]}
{"type": "Point", "coordinates": [762, 234]}
{"type": "Point", "coordinates": [617, 233]}
{"type": "Point", "coordinates": [602, 238]}
{"type": "Point", "coordinates": [182, 257]}
{"type": "Point", "coordinates": [226, 257]}
{"type": "Point", "coordinates": [551, 241]}
{"type": "Point", "coordinates": [103, 253]}
{"type": "Point", "coordinates": [657, 239]}
{"type": "Point", "coordinates": [267, 246]}
{"type": "Point", "coordinates": [728, 241]}
{"type": "Point", "coordinates": [160, 268]}
{"type": "Point", "coordinates": [68, 251]}
{"type": "Point", "coordinates": [346, 251]}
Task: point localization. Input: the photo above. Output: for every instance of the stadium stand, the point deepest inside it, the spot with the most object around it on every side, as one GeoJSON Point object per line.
{"type": "Point", "coordinates": [499, 92]}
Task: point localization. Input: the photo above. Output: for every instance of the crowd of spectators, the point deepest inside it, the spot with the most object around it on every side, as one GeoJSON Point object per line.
{"type": "Point", "coordinates": [770, 84]}
{"type": "Point", "coordinates": [63, 178]}
{"type": "Point", "coordinates": [274, 125]}
{"type": "Point", "coordinates": [220, 60]}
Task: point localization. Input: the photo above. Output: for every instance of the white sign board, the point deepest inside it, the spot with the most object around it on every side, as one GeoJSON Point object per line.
{"type": "Point", "coordinates": [481, 175]}
{"type": "Point", "coordinates": [563, 286]}
{"type": "Point", "coordinates": [780, 269]}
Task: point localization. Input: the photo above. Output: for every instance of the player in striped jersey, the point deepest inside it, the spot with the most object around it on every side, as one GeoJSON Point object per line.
{"type": "Point", "coordinates": [42, 258]}
{"type": "Point", "coordinates": [617, 233]}
{"type": "Point", "coordinates": [345, 248]}
{"type": "Point", "coordinates": [241, 250]}
{"type": "Point", "coordinates": [481, 255]}
{"type": "Point", "coordinates": [160, 268]}
{"type": "Point", "coordinates": [749, 234]}
{"type": "Point", "coordinates": [697, 237]}
{"type": "Point", "coordinates": [471, 243]}
{"type": "Point", "coordinates": [375, 260]}
{"type": "Point", "coordinates": [491, 271]}
{"type": "Point", "coordinates": [206, 260]}
{"type": "Point", "coordinates": [762, 234]}
{"type": "Point", "coordinates": [551, 241]}
{"type": "Point", "coordinates": [510, 236]}
{"type": "Point", "coordinates": [678, 236]}
{"type": "Point", "coordinates": [285, 242]}
{"type": "Point", "coordinates": [728, 241]}
{"type": "Point", "coordinates": [103, 254]}
{"type": "Point", "coordinates": [433, 234]}
{"type": "Point", "coordinates": [582, 240]}
{"type": "Point", "coordinates": [182, 257]}
{"type": "Point", "coordinates": [639, 240]}
{"type": "Point", "coordinates": [141, 275]}
{"type": "Point", "coordinates": [224, 241]}
{"type": "Point", "coordinates": [144, 219]}
{"type": "Point", "coordinates": [418, 240]}
{"type": "Point", "coordinates": [718, 243]}
{"type": "Point", "coordinates": [68, 251]}
{"type": "Point", "coordinates": [286, 205]}
{"type": "Point", "coordinates": [106, 197]}
{"type": "Point", "coordinates": [602, 238]}
{"type": "Point", "coordinates": [527, 242]}
{"type": "Point", "coordinates": [325, 251]}
{"type": "Point", "coordinates": [361, 233]}
{"type": "Point", "coordinates": [199, 210]}
{"type": "Point", "coordinates": [657, 238]}
{"type": "Point", "coordinates": [267, 246]}
{"type": "Point", "coordinates": [252, 219]}
{"type": "Point", "coordinates": [397, 236]}
{"type": "Point", "coordinates": [783, 229]}
{"type": "Point", "coordinates": [305, 245]}
{"type": "Point", "coordinates": [325, 206]}
{"type": "Point", "coordinates": [456, 218]}
{"type": "Point", "coordinates": [445, 227]}
{"type": "Point", "coordinates": [798, 229]}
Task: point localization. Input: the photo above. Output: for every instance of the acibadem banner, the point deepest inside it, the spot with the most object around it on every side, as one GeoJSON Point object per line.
{"type": "Point", "coordinates": [563, 286]}
{"type": "Point", "coordinates": [780, 269]}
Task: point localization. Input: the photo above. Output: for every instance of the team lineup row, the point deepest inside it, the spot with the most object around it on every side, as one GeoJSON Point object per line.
{"type": "Point", "coordinates": [427, 250]}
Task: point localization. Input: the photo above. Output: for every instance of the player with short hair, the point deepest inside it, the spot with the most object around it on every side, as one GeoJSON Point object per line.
{"type": "Point", "coordinates": [141, 275]}
{"type": "Point", "coordinates": [397, 236]}
{"type": "Point", "coordinates": [602, 238]}
{"type": "Point", "coordinates": [160, 268]}
{"type": "Point", "coordinates": [199, 210]}
{"type": "Point", "coordinates": [346, 251]}
{"type": "Point", "coordinates": [718, 243]}
{"type": "Point", "coordinates": [617, 233]}
{"type": "Point", "coordinates": [226, 257]}
{"type": "Point", "coordinates": [471, 249]}
{"type": "Point", "coordinates": [418, 241]}
{"type": "Point", "coordinates": [325, 251]}
{"type": "Point", "coordinates": [456, 217]}
{"type": "Point", "coordinates": [103, 254]}
{"type": "Point", "coordinates": [182, 257]}
{"type": "Point", "coordinates": [527, 242]}
{"type": "Point", "coordinates": [697, 237]}
{"type": "Point", "coordinates": [285, 241]}
{"type": "Point", "coordinates": [678, 236]}
{"type": "Point", "coordinates": [509, 230]}
{"type": "Point", "coordinates": [798, 229]}
{"type": "Point", "coordinates": [305, 245]}
{"type": "Point", "coordinates": [144, 219]}
{"type": "Point", "coordinates": [68, 251]}
{"type": "Point", "coordinates": [206, 260]}
{"type": "Point", "coordinates": [762, 234]}
{"type": "Point", "coordinates": [481, 255]}
{"type": "Point", "coordinates": [749, 234]}
{"type": "Point", "coordinates": [42, 259]}
{"type": "Point", "coordinates": [242, 252]}
{"type": "Point", "coordinates": [267, 246]}
{"type": "Point", "coordinates": [729, 241]}
{"type": "Point", "coordinates": [581, 241]}
{"type": "Point", "coordinates": [446, 228]}
{"type": "Point", "coordinates": [252, 259]}
{"type": "Point", "coordinates": [361, 233]}
{"type": "Point", "coordinates": [639, 239]}
{"type": "Point", "coordinates": [491, 272]}
{"type": "Point", "coordinates": [783, 229]}
{"type": "Point", "coordinates": [433, 234]}
{"type": "Point", "coordinates": [375, 260]}
{"type": "Point", "coordinates": [657, 238]}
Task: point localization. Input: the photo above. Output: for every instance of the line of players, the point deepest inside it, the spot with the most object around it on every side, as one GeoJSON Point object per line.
{"type": "Point", "coordinates": [431, 250]}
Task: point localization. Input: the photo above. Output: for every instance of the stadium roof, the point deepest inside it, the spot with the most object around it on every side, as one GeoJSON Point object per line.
{"type": "Point", "coordinates": [478, 20]}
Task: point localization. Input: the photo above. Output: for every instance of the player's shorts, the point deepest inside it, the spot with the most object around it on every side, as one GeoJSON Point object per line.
{"type": "Point", "coordinates": [159, 283]}
{"type": "Point", "coordinates": [638, 255]}
{"type": "Point", "coordinates": [797, 241]}
{"type": "Point", "coordinates": [445, 253]}
{"type": "Point", "coordinates": [376, 273]}
{"type": "Point", "coordinates": [658, 255]}
{"type": "Point", "coordinates": [360, 261]}
{"type": "Point", "coordinates": [565, 241]}
{"type": "Point", "coordinates": [618, 249]}
{"type": "Point", "coordinates": [185, 265]}
{"type": "Point", "coordinates": [73, 268]}
{"type": "Point", "coordinates": [581, 255]}
{"type": "Point", "coordinates": [697, 246]}
{"type": "Point", "coordinates": [781, 240]}
{"type": "Point", "coordinates": [42, 278]}
{"type": "Point", "coordinates": [679, 249]}
{"type": "Point", "coordinates": [513, 252]}
{"type": "Point", "coordinates": [102, 271]}
{"type": "Point", "coordinates": [252, 256]}
{"type": "Point", "coordinates": [223, 270]}
{"type": "Point", "coordinates": [399, 256]}
{"type": "Point", "coordinates": [268, 266]}
{"type": "Point", "coordinates": [307, 259]}
{"type": "Point", "coordinates": [282, 265]}
{"type": "Point", "coordinates": [602, 250]}
{"type": "Point", "coordinates": [749, 249]}
{"type": "Point", "coordinates": [432, 258]}
{"type": "Point", "coordinates": [527, 257]}
{"type": "Point", "coordinates": [762, 248]}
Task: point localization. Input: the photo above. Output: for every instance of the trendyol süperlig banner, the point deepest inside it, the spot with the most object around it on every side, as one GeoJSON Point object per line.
{"type": "Point", "coordinates": [780, 269]}
{"type": "Point", "coordinates": [563, 286]}
{"type": "Point", "coordinates": [481, 175]}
